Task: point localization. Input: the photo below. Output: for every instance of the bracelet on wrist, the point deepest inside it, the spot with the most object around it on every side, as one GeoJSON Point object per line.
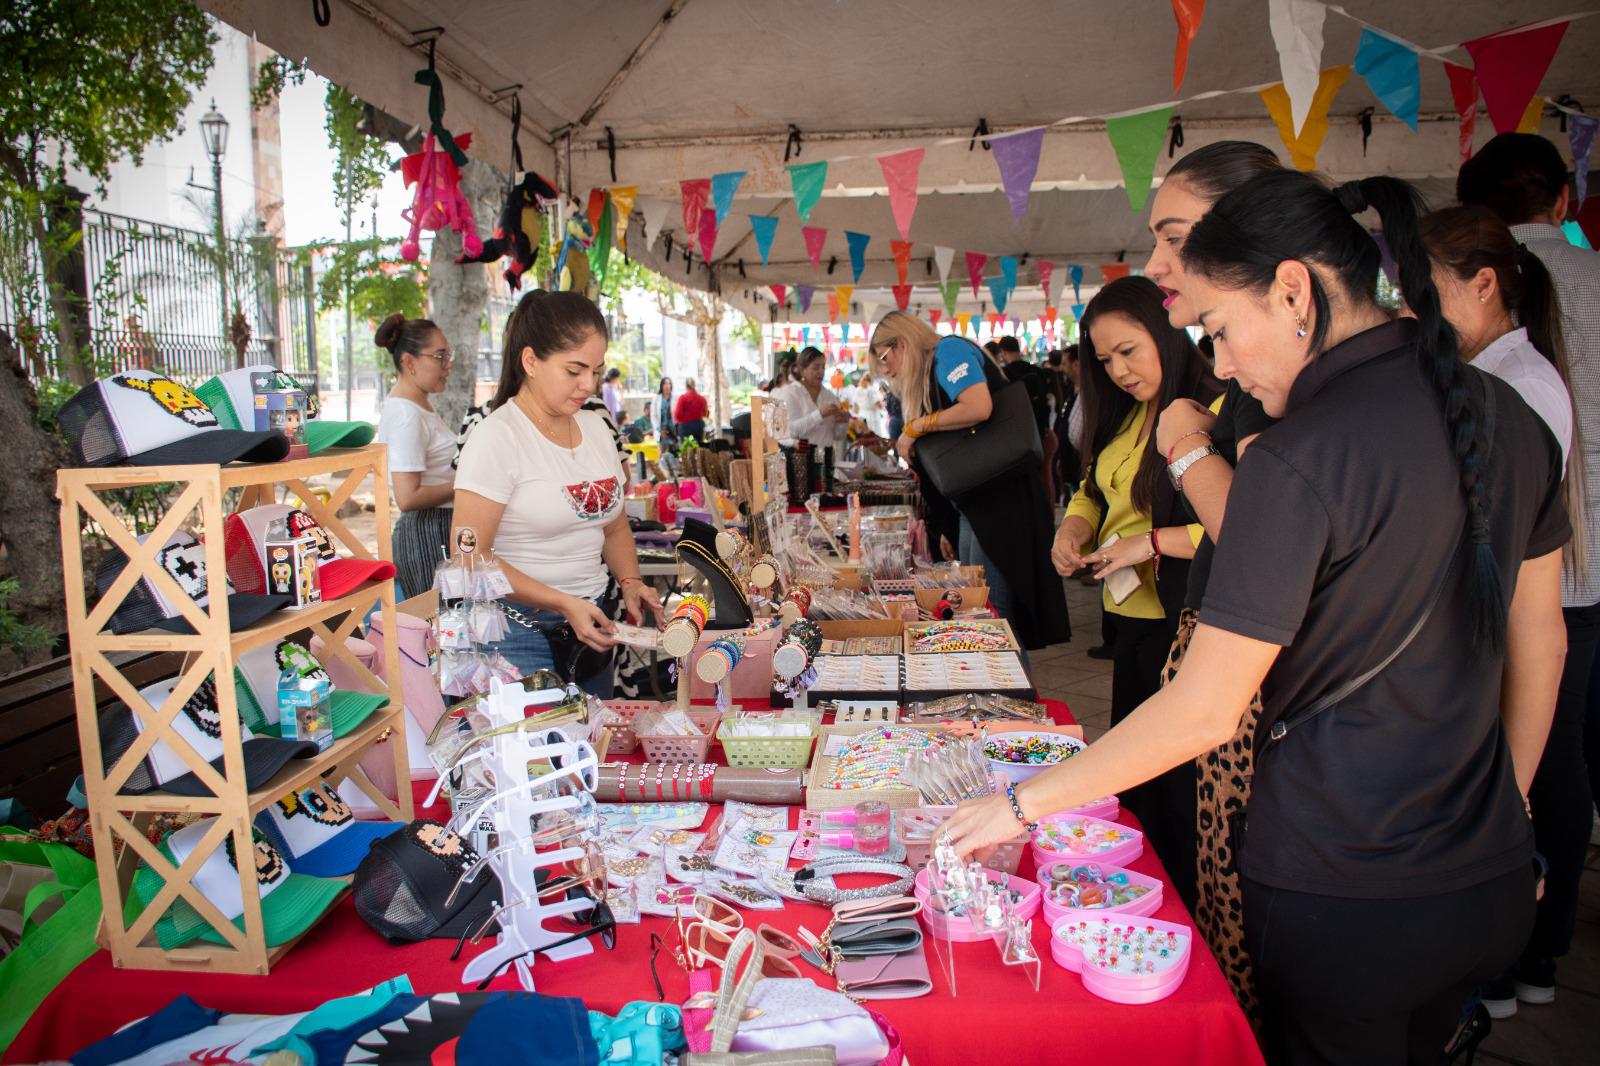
{"type": "Point", "coordinates": [1173, 451]}
{"type": "Point", "coordinates": [1016, 809]}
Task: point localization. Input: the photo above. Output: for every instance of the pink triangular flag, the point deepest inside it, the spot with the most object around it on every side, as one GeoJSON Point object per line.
{"type": "Point", "coordinates": [902, 259]}
{"type": "Point", "coordinates": [814, 236]}
{"type": "Point", "coordinates": [902, 296]}
{"type": "Point", "coordinates": [900, 173]}
{"type": "Point", "coordinates": [1046, 268]}
{"type": "Point", "coordinates": [1510, 66]}
{"type": "Point", "coordinates": [695, 194]}
{"type": "Point", "coordinates": [833, 307]}
{"type": "Point", "coordinates": [975, 262]}
{"type": "Point", "coordinates": [780, 292]}
{"type": "Point", "coordinates": [708, 232]}
{"type": "Point", "coordinates": [1464, 92]}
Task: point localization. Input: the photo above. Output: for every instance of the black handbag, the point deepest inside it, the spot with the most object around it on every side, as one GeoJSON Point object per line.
{"type": "Point", "coordinates": [961, 461]}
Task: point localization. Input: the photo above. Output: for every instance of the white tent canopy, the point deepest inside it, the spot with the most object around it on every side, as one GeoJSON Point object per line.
{"type": "Point", "coordinates": [684, 89]}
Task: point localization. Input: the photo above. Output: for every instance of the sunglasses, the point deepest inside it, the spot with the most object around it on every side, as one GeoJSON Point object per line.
{"type": "Point", "coordinates": [594, 920]}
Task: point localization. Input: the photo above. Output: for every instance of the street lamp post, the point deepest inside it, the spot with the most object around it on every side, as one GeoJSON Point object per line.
{"type": "Point", "coordinates": [214, 132]}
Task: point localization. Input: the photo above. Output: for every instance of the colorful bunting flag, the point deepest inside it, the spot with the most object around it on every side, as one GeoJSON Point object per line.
{"type": "Point", "coordinates": [708, 232]}
{"type": "Point", "coordinates": [1076, 271]}
{"type": "Point", "coordinates": [844, 334]}
{"type": "Point", "coordinates": [827, 337]}
{"type": "Point", "coordinates": [900, 174]}
{"type": "Point", "coordinates": [1575, 235]}
{"type": "Point", "coordinates": [695, 193]}
{"type": "Point", "coordinates": [1390, 71]}
{"type": "Point", "coordinates": [765, 227]}
{"type": "Point", "coordinates": [975, 261]}
{"type": "Point", "coordinates": [806, 180]}
{"type": "Point", "coordinates": [723, 186]}
{"type": "Point", "coordinates": [934, 314]}
{"type": "Point", "coordinates": [833, 310]}
{"type": "Point", "coordinates": [806, 293]}
{"type": "Point", "coordinates": [1188, 13]}
{"type": "Point", "coordinates": [1303, 147]}
{"type": "Point", "coordinates": [999, 292]}
{"type": "Point", "coordinates": [1510, 65]}
{"type": "Point", "coordinates": [622, 197]}
{"type": "Point", "coordinates": [902, 296]}
{"type": "Point", "coordinates": [1137, 140]}
{"type": "Point", "coordinates": [1464, 93]}
{"type": "Point", "coordinates": [962, 318]}
{"type": "Point", "coordinates": [843, 293]}
{"type": "Point", "coordinates": [1297, 33]}
{"type": "Point", "coordinates": [1532, 117]}
{"type": "Point", "coordinates": [950, 290]}
{"type": "Point", "coordinates": [858, 252]}
{"type": "Point", "coordinates": [780, 293]}
{"type": "Point", "coordinates": [1017, 156]}
{"type": "Point", "coordinates": [1008, 270]}
{"type": "Point", "coordinates": [1110, 272]}
{"type": "Point", "coordinates": [1077, 312]}
{"type": "Point", "coordinates": [1046, 271]}
{"type": "Point", "coordinates": [1580, 137]}
{"type": "Point", "coordinates": [942, 258]}
{"type": "Point", "coordinates": [902, 258]}
{"type": "Point", "coordinates": [994, 319]}
{"type": "Point", "coordinates": [597, 204]}
{"type": "Point", "coordinates": [654, 214]}
{"type": "Point", "coordinates": [600, 249]}
{"type": "Point", "coordinates": [814, 236]}
{"type": "Point", "coordinates": [1050, 316]}
{"type": "Point", "coordinates": [805, 334]}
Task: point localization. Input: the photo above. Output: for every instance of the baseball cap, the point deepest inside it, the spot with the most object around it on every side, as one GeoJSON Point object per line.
{"type": "Point", "coordinates": [401, 885]}
{"type": "Point", "coordinates": [183, 557]}
{"type": "Point", "coordinates": [290, 902]}
{"type": "Point", "coordinates": [245, 537]}
{"type": "Point", "coordinates": [232, 400]}
{"type": "Point", "coordinates": [257, 670]}
{"type": "Point", "coordinates": [143, 418]}
{"type": "Point", "coordinates": [319, 833]}
{"type": "Point", "coordinates": [199, 724]}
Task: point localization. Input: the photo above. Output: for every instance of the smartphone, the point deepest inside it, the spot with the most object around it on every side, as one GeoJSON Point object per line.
{"type": "Point", "coordinates": [1123, 583]}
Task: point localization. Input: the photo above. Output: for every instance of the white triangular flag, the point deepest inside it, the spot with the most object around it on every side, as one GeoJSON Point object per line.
{"type": "Point", "coordinates": [654, 215]}
{"type": "Point", "coordinates": [1297, 31]}
{"type": "Point", "coordinates": [941, 259]}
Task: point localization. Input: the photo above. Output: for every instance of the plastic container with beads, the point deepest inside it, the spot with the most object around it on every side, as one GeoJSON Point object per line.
{"type": "Point", "coordinates": [671, 747]}
{"type": "Point", "coordinates": [768, 752]}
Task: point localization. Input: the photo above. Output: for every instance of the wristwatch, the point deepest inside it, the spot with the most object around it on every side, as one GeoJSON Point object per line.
{"type": "Point", "coordinates": [1176, 469]}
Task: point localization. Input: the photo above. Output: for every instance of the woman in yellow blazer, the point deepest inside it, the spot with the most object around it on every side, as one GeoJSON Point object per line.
{"type": "Point", "coordinates": [1127, 516]}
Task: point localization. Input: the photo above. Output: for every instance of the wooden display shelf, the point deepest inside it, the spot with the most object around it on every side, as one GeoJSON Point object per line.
{"type": "Point", "coordinates": [211, 651]}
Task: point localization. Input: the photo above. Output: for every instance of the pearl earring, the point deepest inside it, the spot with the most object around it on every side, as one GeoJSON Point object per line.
{"type": "Point", "coordinates": [1483, 299]}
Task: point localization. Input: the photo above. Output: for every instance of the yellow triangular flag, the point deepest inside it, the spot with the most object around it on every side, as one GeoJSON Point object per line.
{"type": "Point", "coordinates": [622, 206]}
{"type": "Point", "coordinates": [843, 292]}
{"type": "Point", "coordinates": [1532, 117]}
{"type": "Point", "coordinates": [962, 319]}
{"type": "Point", "coordinates": [1303, 149]}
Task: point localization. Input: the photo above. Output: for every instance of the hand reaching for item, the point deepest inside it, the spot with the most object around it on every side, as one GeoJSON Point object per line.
{"type": "Point", "coordinates": [589, 623]}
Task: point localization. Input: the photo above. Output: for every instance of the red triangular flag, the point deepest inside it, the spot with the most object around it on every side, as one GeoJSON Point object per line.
{"type": "Point", "coordinates": [934, 314]}
{"type": "Point", "coordinates": [994, 319]}
{"type": "Point", "coordinates": [1050, 315]}
{"type": "Point", "coordinates": [900, 173]}
{"type": "Point", "coordinates": [708, 231]}
{"type": "Point", "coordinates": [597, 204]}
{"type": "Point", "coordinates": [902, 259]}
{"type": "Point", "coordinates": [1188, 13]}
{"type": "Point", "coordinates": [695, 193]}
{"type": "Point", "coordinates": [814, 236]}
{"type": "Point", "coordinates": [833, 307]}
{"type": "Point", "coordinates": [1464, 91]}
{"type": "Point", "coordinates": [1110, 272]}
{"type": "Point", "coordinates": [975, 261]}
{"type": "Point", "coordinates": [780, 292]}
{"type": "Point", "coordinates": [1510, 66]}
{"type": "Point", "coordinates": [902, 296]}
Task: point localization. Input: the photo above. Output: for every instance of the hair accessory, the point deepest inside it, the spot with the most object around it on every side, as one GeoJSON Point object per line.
{"type": "Point", "coordinates": [816, 880]}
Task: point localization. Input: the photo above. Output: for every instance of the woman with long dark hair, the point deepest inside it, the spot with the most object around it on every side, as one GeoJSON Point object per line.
{"type": "Point", "coordinates": [540, 483]}
{"type": "Point", "coordinates": [1134, 364]}
{"type": "Point", "coordinates": [1398, 575]}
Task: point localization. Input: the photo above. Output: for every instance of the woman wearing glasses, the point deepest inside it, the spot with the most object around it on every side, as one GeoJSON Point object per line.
{"type": "Point", "coordinates": [422, 451]}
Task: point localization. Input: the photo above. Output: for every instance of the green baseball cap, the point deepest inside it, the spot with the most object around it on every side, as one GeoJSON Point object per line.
{"type": "Point", "coordinates": [232, 400]}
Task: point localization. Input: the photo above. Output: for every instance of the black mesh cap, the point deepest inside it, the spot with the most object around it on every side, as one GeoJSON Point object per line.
{"type": "Point", "coordinates": [402, 884]}
{"type": "Point", "coordinates": [142, 417]}
{"type": "Point", "coordinates": [183, 557]}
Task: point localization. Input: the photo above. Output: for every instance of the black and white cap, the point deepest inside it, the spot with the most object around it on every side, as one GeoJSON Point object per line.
{"type": "Point", "coordinates": [142, 418]}
{"type": "Point", "coordinates": [183, 557]}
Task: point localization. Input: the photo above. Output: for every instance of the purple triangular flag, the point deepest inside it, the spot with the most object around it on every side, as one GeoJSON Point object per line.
{"type": "Point", "coordinates": [1580, 135]}
{"type": "Point", "coordinates": [1018, 159]}
{"type": "Point", "coordinates": [806, 293]}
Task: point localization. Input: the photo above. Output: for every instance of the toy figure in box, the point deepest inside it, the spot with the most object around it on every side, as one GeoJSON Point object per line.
{"type": "Point", "coordinates": [518, 232]}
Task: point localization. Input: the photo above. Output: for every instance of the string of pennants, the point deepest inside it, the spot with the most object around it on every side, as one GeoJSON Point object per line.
{"type": "Point", "coordinates": [1508, 67]}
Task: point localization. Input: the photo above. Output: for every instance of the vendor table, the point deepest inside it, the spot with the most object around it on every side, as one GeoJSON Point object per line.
{"type": "Point", "coordinates": [997, 1010]}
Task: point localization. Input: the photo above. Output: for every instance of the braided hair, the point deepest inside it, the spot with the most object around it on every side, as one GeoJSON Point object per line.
{"type": "Point", "coordinates": [1289, 215]}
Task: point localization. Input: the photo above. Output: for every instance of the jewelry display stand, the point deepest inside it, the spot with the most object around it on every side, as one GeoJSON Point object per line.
{"type": "Point", "coordinates": [521, 795]}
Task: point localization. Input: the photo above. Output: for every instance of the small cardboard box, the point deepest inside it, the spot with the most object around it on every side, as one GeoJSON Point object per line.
{"type": "Point", "coordinates": [285, 410]}
{"type": "Point", "coordinates": [820, 796]}
{"type": "Point", "coordinates": [305, 710]}
{"type": "Point", "coordinates": [292, 570]}
{"type": "Point", "coordinates": [972, 598]}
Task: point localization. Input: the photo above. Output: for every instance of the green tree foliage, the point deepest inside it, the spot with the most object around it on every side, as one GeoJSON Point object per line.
{"type": "Point", "coordinates": [87, 84]}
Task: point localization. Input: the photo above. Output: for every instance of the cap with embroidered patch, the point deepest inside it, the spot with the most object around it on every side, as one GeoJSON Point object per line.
{"type": "Point", "coordinates": [257, 673]}
{"type": "Point", "coordinates": [319, 833]}
{"type": "Point", "coordinates": [401, 886]}
{"type": "Point", "coordinates": [232, 399]}
{"type": "Point", "coordinates": [142, 418]}
{"type": "Point", "coordinates": [199, 724]}
{"type": "Point", "coordinates": [183, 557]}
{"type": "Point", "coordinates": [245, 538]}
{"type": "Point", "coordinates": [290, 902]}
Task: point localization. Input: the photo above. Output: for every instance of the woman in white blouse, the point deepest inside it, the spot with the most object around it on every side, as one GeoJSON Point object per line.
{"type": "Point", "coordinates": [421, 449]}
{"type": "Point", "coordinates": [815, 413]}
{"type": "Point", "coordinates": [540, 483]}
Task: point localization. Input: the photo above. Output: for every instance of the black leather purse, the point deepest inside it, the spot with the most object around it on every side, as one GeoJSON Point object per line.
{"type": "Point", "coordinates": [961, 461]}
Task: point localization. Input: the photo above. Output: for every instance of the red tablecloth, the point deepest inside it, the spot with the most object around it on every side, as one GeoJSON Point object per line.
{"type": "Point", "coordinates": [996, 1010]}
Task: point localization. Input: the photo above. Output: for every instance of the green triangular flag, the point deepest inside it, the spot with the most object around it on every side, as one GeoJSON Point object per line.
{"type": "Point", "coordinates": [807, 179]}
{"type": "Point", "coordinates": [950, 290]}
{"type": "Point", "coordinates": [600, 250]}
{"type": "Point", "coordinates": [1137, 140]}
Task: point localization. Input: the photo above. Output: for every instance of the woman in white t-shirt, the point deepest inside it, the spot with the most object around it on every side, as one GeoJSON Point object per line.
{"type": "Point", "coordinates": [421, 449]}
{"type": "Point", "coordinates": [539, 482]}
{"type": "Point", "coordinates": [815, 413]}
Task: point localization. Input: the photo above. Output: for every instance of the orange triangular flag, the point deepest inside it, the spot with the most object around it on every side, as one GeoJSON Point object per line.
{"type": "Point", "coordinates": [1188, 13]}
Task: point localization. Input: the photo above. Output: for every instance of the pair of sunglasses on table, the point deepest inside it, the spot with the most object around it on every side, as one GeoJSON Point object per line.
{"type": "Point", "coordinates": [594, 920]}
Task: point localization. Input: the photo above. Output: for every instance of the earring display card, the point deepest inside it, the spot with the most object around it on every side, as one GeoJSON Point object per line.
{"type": "Point", "coordinates": [857, 677]}
{"type": "Point", "coordinates": [998, 672]}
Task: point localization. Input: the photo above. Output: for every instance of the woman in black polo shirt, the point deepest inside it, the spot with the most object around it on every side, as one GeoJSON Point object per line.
{"type": "Point", "coordinates": [1399, 577]}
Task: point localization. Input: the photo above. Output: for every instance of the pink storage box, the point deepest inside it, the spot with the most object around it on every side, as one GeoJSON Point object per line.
{"type": "Point", "coordinates": [923, 822]}
{"type": "Point", "coordinates": [960, 930]}
{"type": "Point", "coordinates": [1148, 903]}
{"type": "Point", "coordinates": [1085, 839]}
{"type": "Point", "coordinates": [1079, 944]}
{"type": "Point", "coordinates": [1105, 809]}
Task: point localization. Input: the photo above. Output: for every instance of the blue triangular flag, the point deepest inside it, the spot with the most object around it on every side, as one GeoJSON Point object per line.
{"type": "Point", "coordinates": [1077, 312]}
{"type": "Point", "coordinates": [765, 227]}
{"type": "Point", "coordinates": [1076, 271]}
{"type": "Point", "coordinates": [858, 252]}
{"type": "Point", "coordinates": [999, 291]}
{"type": "Point", "coordinates": [723, 186]}
{"type": "Point", "coordinates": [1390, 70]}
{"type": "Point", "coordinates": [1575, 235]}
{"type": "Point", "coordinates": [1008, 269]}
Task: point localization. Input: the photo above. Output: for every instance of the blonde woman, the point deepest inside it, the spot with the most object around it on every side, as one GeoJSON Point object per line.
{"type": "Point", "coordinates": [946, 384]}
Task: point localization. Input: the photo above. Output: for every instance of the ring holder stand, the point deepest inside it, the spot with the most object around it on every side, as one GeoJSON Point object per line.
{"type": "Point", "coordinates": [520, 797]}
{"type": "Point", "coordinates": [987, 911]}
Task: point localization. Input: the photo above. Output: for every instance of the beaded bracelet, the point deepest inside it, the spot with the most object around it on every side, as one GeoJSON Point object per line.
{"type": "Point", "coordinates": [815, 880]}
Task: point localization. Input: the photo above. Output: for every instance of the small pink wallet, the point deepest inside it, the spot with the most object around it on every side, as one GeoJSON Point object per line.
{"type": "Point", "coordinates": [902, 976]}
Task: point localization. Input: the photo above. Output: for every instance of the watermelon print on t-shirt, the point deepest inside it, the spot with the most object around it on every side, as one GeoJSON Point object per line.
{"type": "Point", "coordinates": [593, 499]}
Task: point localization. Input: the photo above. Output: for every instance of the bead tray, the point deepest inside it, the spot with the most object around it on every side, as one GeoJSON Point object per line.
{"type": "Point", "coordinates": [997, 626]}
{"type": "Point", "coordinates": [1148, 903]}
{"type": "Point", "coordinates": [1106, 843]}
{"type": "Point", "coordinates": [1076, 945]}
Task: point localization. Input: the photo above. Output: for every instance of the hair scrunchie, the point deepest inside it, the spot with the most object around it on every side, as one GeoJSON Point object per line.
{"type": "Point", "coordinates": [1351, 198]}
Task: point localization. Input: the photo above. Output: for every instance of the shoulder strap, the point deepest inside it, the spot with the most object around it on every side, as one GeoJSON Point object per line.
{"type": "Point", "coordinates": [1281, 727]}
